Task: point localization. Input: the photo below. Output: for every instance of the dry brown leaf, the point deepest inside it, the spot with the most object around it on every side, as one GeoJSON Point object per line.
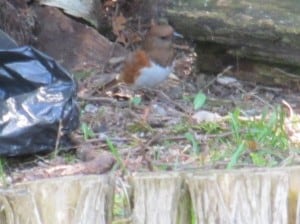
{"type": "Point", "coordinates": [109, 3]}
{"type": "Point", "coordinates": [118, 24]}
{"type": "Point", "coordinates": [134, 38]}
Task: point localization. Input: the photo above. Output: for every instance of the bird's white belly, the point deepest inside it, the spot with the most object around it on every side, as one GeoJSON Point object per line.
{"type": "Point", "coordinates": [153, 75]}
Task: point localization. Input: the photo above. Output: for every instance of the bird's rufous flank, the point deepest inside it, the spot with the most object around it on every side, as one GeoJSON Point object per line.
{"type": "Point", "coordinates": [152, 63]}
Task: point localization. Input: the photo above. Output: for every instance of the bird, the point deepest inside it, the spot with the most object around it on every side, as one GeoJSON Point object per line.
{"type": "Point", "coordinates": [152, 63]}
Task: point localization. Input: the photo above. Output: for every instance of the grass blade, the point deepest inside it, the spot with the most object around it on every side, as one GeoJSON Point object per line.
{"type": "Point", "coordinates": [235, 157]}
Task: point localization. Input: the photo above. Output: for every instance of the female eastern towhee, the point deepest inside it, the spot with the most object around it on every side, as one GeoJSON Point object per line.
{"type": "Point", "coordinates": [152, 63]}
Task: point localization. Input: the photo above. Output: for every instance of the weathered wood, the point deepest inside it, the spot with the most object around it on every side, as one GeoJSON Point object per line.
{"type": "Point", "coordinates": [218, 196]}
{"type": "Point", "coordinates": [213, 196]}
{"type": "Point", "coordinates": [157, 198]}
{"type": "Point", "coordinates": [77, 199]}
{"type": "Point", "coordinates": [239, 197]}
{"type": "Point", "coordinates": [294, 195]}
{"type": "Point", "coordinates": [245, 34]}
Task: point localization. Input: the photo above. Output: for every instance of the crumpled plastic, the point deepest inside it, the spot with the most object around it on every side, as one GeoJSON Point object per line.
{"type": "Point", "coordinates": [37, 100]}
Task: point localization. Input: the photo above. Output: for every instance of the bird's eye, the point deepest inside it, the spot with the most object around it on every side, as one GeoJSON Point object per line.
{"type": "Point", "coordinates": [165, 37]}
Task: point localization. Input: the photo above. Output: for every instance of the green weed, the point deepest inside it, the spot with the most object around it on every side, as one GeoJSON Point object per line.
{"type": "Point", "coordinates": [208, 127]}
{"type": "Point", "coordinates": [116, 154]}
{"type": "Point", "coordinates": [135, 101]}
{"type": "Point", "coordinates": [195, 146]}
{"type": "Point", "coordinates": [261, 141]}
{"type": "Point", "coordinates": [236, 155]}
{"type": "Point", "coordinates": [2, 172]}
{"type": "Point", "coordinates": [87, 131]}
{"type": "Point", "coordinates": [199, 100]}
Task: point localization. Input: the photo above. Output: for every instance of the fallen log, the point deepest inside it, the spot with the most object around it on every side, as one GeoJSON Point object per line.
{"type": "Point", "coordinates": [260, 39]}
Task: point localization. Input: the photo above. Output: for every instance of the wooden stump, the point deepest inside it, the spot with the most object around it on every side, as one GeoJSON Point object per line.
{"type": "Point", "coordinates": [76, 199]}
{"type": "Point", "coordinates": [157, 198]}
{"type": "Point", "coordinates": [239, 197]}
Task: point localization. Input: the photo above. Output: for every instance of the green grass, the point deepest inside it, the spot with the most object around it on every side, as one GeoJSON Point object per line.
{"type": "Point", "coordinates": [116, 154]}
{"type": "Point", "coordinates": [199, 100]}
{"type": "Point", "coordinates": [239, 140]}
{"type": "Point", "coordinates": [2, 172]}
{"type": "Point", "coordinates": [121, 209]}
{"type": "Point", "coordinates": [236, 155]}
{"type": "Point", "coordinates": [82, 74]}
{"type": "Point", "coordinates": [209, 127]}
{"type": "Point", "coordinates": [195, 145]}
{"type": "Point", "coordinates": [87, 131]}
{"type": "Point", "coordinates": [136, 101]}
{"type": "Point", "coordinates": [180, 128]}
{"type": "Point", "coordinates": [137, 127]}
{"type": "Point", "coordinates": [260, 142]}
{"type": "Point", "coordinates": [70, 158]}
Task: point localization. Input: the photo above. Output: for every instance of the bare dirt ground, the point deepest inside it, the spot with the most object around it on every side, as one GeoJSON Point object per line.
{"type": "Point", "coordinates": [146, 130]}
{"type": "Point", "coordinates": [118, 133]}
{"type": "Point", "coordinates": [151, 135]}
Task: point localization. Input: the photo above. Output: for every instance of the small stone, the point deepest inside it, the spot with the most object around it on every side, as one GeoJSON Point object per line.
{"type": "Point", "coordinates": [90, 108]}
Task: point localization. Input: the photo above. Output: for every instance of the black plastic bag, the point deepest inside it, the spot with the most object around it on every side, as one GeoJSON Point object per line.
{"type": "Point", "coordinates": [6, 42]}
{"type": "Point", "coordinates": [36, 96]}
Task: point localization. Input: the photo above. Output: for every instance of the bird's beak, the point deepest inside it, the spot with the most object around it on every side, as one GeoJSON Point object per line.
{"type": "Point", "coordinates": [177, 35]}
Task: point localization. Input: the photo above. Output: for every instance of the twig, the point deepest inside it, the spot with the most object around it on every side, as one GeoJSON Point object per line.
{"type": "Point", "coordinates": [155, 138]}
{"type": "Point", "coordinates": [58, 136]}
{"type": "Point", "coordinates": [218, 76]}
{"type": "Point", "coordinates": [257, 97]}
{"type": "Point", "coordinates": [288, 106]}
{"type": "Point", "coordinates": [268, 88]}
{"type": "Point", "coordinates": [98, 99]}
{"type": "Point", "coordinates": [111, 52]}
{"type": "Point", "coordinates": [96, 140]}
{"type": "Point", "coordinates": [182, 109]}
